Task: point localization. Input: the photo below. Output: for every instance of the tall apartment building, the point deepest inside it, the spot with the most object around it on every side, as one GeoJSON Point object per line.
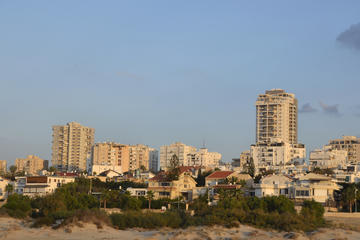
{"type": "Point", "coordinates": [139, 156]}
{"type": "Point", "coordinates": [276, 117]}
{"type": "Point", "coordinates": [153, 160]}
{"type": "Point", "coordinates": [327, 157]}
{"type": "Point", "coordinates": [204, 158]}
{"type": "Point", "coordinates": [71, 146]}
{"type": "Point", "coordinates": [179, 149]}
{"type": "Point", "coordinates": [31, 165]}
{"type": "Point", "coordinates": [276, 129]}
{"type": "Point", "coordinates": [350, 144]}
{"type": "Point", "coordinates": [110, 155]}
{"type": "Point", "coordinates": [3, 166]}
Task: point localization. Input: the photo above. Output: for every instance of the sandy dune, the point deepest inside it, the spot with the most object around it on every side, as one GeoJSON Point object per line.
{"type": "Point", "coordinates": [11, 229]}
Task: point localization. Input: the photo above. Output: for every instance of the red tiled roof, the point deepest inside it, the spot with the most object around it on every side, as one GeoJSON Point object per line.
{"type": "Point", "coordinates": [183, 169]}
{"type": "Point", "coordinates": [219, 174]}
{"type": "Point", "coordinates": [161, 176]}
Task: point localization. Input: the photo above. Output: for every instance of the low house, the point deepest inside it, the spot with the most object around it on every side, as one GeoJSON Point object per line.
{"type": "Point", "coordinates": [19, 184]}
{"type": "Point", "coordinates": [42, 185]}
{"type": "Point", "coordinates": [107, 175]}
{"type": "Point", "coordinates": [226, 177]}
{"type": "Point", "coordinates": [3, 184]}
{"type": "Point", "coordinates": [218, 177]}
{"type": "Point", "coordinates": [311, 186]}
{"type": "Point", "coordinates": [272, 185]}
{"type": "Point", "coordinates": [163, 187]}
{"type": "Point", "coordinates": [314, 186]}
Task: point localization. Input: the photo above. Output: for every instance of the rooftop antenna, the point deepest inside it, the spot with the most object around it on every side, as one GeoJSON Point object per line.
{"type": "Point", "coordinates": [204, 143]}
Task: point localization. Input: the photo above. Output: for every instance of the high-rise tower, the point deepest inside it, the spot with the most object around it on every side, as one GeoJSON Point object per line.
{"type": "Point", "coordinates": [71, 146]}
{"type": "Point", "coordinates": [276, 117]}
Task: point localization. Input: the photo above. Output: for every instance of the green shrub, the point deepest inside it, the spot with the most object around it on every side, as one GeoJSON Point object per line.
{"type": "Point", "coordinates": [18, 206]}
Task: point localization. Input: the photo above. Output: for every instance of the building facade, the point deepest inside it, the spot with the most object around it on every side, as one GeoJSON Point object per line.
{"type": "Point", "coordinates": [153, 160]}
{"type": "Point", "coordinates": [3, 166]}
{"type": "Point", "coordinates": [276, 117]}
{"type": "Point", "coordinates": [139, 157]}
{"type": "Point", "coordinates": [276, 154]}
{"type": "Point", "coordinates": [203, 158]}
{"type": "Point", "coordinates": [31, 165]}
{"type": "Point", "coordinates": [350, 144]}
{"type": "Point", "coordinates": [109, 155]}
{"type": "Point", "coordinates": [43, 185]}
{"type": "Point", "coordinates": [327, 157]}
{"type": "Point", "coordinates": [71, 146]}
{"type": "Point", "coordinates": [179, 149]}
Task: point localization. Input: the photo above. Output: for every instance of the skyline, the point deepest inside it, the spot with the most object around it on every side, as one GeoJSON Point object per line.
{"type": "Point", "coordinates": [160, 73]}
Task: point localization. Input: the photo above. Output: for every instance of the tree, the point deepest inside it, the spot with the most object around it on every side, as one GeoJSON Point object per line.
{"type": "Point", "coordinates": [349, 195]}
{"type": "Point", "coordinates": [142, 168]}
{"type": "Point", "coordinates": [174, 170]}
{"type": "Point", "coordinates": [52, 170]}
{"type": "Point", "coordinates": [174, 162]}
{"type": "Point", "coordinates": [251, 168]}
{"type": "Point", "coordinates": [13, 170]}
{"type": "Point", "coordinates": [150, 196]}
{"type": "Point", "coordinates": [9, 189]}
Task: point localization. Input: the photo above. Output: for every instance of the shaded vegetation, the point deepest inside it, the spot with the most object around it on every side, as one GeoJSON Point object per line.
{"type": "Point", "coordinates": [72, 203]}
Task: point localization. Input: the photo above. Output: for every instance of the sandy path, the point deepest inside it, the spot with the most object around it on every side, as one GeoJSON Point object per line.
{"type": "Point", "coordinates": [12, 229]}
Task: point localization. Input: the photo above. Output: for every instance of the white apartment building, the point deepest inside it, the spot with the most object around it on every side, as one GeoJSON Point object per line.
{"type": "Point", "coordinates": [71, 146]}
{"type": "Point", "coordinates": [179, 149]}
{"type": "Point", "coordinates": [351, 144]}
{"type": "Point", "coordinates": [204, 158]}
{"type": "Point", "coordinates": [276, 117]}
{"type": "Point", "coordinates": [327, 157]}
{"type": "Point", "coordinates": [276, 153]}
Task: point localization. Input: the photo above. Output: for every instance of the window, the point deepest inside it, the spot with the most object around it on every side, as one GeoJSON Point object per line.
{"type": "Point", "coordinates": [165, 184]}
{"type": "Point", "coordinates": [166, 194]}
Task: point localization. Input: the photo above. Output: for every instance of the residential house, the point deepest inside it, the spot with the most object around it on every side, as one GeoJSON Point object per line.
{"type": "Point", "coordinates": [3, 184]}
{"type": "Point", "coordinates": [42, 185]}
{"type": "Point", "coordinates": [272, 185]}
{"type": "Point", "coordinates": [165, 188]}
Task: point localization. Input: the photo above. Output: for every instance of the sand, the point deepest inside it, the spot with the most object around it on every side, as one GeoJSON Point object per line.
{"type": "Point", "coordinates": [11, 229]}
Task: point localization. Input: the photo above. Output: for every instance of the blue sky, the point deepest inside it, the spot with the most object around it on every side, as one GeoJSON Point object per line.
{"type": "Point", "coordinates": [156, 72]}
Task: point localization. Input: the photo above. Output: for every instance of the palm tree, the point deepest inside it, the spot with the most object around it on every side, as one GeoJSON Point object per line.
{"type": "Point", "coordinates": [349, 195]}
{"type": "Point", "coordinates": [150, 196]}
{"type": "Point", "coordinates": [9, 189]}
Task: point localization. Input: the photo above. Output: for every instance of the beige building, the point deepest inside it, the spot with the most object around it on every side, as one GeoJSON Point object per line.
{"type": "Point", "coordinates": [31, 165]}
{"type": "Point", "coordinates": [164, 188]}
{"type": "Point", "coordinates": [3, 166]}
{"type": "Point", "coordinates": [204, 158]}
{"type": "Point", "coordinates": [328, 158]}
{"type": "Point", "coordinates": [71, 147]}
{"type": "Point", "coordinates": [139, 156]}
{"type": "Point", "coordinates": [111, 154]}
{"type": "Point", "coordinates": [179, 149]}
{"type": "Point", "coordinates": [350, 144]}
{"type": "Point", "coordinates": [276, 117]}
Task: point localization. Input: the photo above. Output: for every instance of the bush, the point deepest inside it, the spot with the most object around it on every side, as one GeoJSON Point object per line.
{"type": "Point", "coordinates": [18, 206]}
{"type": "Point", "coordinates": [313, 213]}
